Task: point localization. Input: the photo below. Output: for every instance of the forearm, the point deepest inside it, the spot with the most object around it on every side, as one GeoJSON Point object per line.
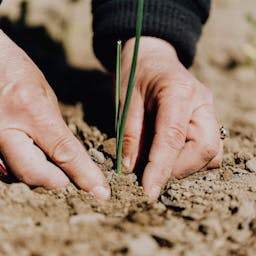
{"type": "Point", "coordinates": [177, 22]}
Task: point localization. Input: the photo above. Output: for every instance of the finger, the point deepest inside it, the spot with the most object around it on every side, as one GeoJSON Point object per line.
{"type": "Point", "coordinates": [170, 134]}
{"type": "Point", "coordinates": [202, 145]}
{"type": "Point", "coordinates": [56, 140]}
{"type": "Point", "coordinates": [28, 162]}
{"type": "Point", "coordinates": [217, 160]}
{"type": "Point", "coordinates": [133, 132]}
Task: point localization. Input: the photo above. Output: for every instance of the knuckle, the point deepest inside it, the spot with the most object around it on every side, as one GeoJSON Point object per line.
{"type": "Point", "coordinates": [65, 151]}
{"type": "Point", "coordinates": [161, 175]}
{"type": "Point", "coordinates": [157, 67]}
{"type": "Point", "coordinates": [31, 178]}
{"type": "Point", "coordinates": [27, 178]}
{"type": "Point", "coordinates": [209, 152]}
{"type": "Point", "coordinates": [181, 90]}
{"type": "Point", "coordinates": [22, 95]}
{"type": "Point", "coordinates": [25, 89]}
{"type": "Point", "coordinates": [130, 139]}
{"type": "Point", "coordinates": [185, 90]}
{"type": "Point", "coordinates": [175, 137]}
{"type": "Point", "coordinates": [208, 95]}
{"type": "Point", "coordinates": [187, 87]}
{"type": "Point", "coordinates": [164, 175]}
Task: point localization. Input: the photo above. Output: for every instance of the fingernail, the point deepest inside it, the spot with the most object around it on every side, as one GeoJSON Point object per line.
{"type": "Point", "coordinates": [3, 170]}
{"type": "Point", "coordinates": [154, 192]}
{"type": "Point", "coordinates": [101, 192]}
{"type": "Point", "coordinates": [126, 162]}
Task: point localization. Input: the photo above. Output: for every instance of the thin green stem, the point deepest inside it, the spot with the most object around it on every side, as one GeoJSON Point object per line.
{"type": "Point", "coordinates": [130, 84]}
{"type": "Point", "coordinates": [118, 88]}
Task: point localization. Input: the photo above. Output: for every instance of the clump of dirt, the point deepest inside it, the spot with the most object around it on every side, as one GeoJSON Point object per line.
{"type": "Point", "coordinates": [209, 211]}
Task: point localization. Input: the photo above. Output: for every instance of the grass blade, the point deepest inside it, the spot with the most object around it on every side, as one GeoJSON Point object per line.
{"type": "Point", "coordinates": [118, 88]}
{"type": "Point", "coordinates": [130, 84]}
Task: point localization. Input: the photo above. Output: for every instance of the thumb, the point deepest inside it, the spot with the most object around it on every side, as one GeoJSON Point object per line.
{"type": "Point", "coordinates": [66, 151]}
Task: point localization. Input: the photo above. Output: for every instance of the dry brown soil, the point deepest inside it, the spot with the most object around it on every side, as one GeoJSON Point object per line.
{"type": "Point", "coordinates": [209, 213]}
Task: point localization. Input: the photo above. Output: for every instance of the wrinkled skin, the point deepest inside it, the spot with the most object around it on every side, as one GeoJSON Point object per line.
{"type": "Point", "coordinates": [31, 128]}
{"type": "Point", "coordinates": [186, 134]}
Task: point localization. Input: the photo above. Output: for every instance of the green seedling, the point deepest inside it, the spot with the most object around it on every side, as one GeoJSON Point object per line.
{"type": "Point", "coordinates": [120, 124]}
{"type": "Point", "coordinates": [118, 88]}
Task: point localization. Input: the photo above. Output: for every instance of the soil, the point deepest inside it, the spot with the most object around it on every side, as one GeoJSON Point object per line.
{"type": "Point", "coordinates": [208, 213]}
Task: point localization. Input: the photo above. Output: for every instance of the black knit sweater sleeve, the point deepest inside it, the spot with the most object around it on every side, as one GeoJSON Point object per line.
{"type": "Point", "coordinates": [176, 21]}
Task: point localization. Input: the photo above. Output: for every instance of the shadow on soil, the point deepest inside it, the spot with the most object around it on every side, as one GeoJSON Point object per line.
{"type": "Point", "coordinates": [70, 84]}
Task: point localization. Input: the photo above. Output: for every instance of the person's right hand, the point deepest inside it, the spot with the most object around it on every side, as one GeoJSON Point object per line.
{"type": "Point", "coordinates": [31, 128]}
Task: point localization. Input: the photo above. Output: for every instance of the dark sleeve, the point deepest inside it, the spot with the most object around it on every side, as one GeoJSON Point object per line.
{"type": "Point", "coordinates": [176, 21]}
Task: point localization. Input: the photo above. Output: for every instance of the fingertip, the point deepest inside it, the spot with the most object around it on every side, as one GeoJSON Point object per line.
{"type": "Point", "coordinates": [101, 192]}
{"type": "Point", "coordinates": [133, 132]}
{"type": "Point", "coordinates": [126, 162]}
{"type": "Point", "coordinates": [93, 181]}
{"type": "Point", "coordinates": [151, 184]}
{"type": "Point", "coordinates": [130, 153]}
{"type": "Point", "coordinates": [217, 161]}
{"type": "Point", "coordinates": [154, 192]}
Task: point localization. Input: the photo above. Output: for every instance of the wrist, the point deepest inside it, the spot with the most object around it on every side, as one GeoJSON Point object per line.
{"type": "Point", "coordinates": [156, 59]}
{"type": "Point", "coordinates": [150, 46]}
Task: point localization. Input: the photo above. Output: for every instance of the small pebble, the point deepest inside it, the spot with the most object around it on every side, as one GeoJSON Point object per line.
{"type": "Point", "coordinates": [247, 210]}
{"type": "Point", "coordinates": [19, 193]}
{"type": "Point", "coordinates": [96, 155]}
{"type": "Point", "coordinates": [96, 132]}
{"type": "Point", "coordinates": [187, 194]}
{"type": "Point", "coordinates": [229, 159]}
{"type": "Point", "coordinates": [252, 189]}
{"type": "Point", "coordinates": [160, 207]}
{"type": "Point", "coordinates": [232, 146]}
{"type": "Point", "coordinates": [109, 163]}
{"type": "Point", "coordinates": [86, 218]}
{"type": "Point", "coordinates": [211, 176]}
{"type": "Point", "coordinates": [227, 175]}
{"type": "Point", "coordinates": [73, 128]}
{"type": "Point", "coordinates": [109, 147]}
{"type": "Point", "coordinates": [132, 177]}
{"type": "Point", "coordinates": [251, 165]}
{"type": "Point", "coordinates": [175, 186]}
{"type": "Point", "coordinates": [244, 156]}
{"type": "Point", "coordinates": [238, 171]}
{"type": "Point", "coordinates": [143, 245]}
{"type": "Point", "coordinates": [198, 200]}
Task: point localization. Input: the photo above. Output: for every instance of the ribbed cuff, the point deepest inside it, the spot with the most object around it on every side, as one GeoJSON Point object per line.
{"type": "Point", "coordinates": [178, 22]}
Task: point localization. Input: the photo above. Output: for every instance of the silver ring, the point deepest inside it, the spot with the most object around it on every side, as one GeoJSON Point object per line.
{"type": "Point", "coordinates": [223, 132]}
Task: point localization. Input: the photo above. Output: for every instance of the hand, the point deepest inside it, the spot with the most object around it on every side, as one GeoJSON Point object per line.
{"type": "Point", "coordinates": [186, 134]}
{"type": "Point", "coordinates": [31, 128]}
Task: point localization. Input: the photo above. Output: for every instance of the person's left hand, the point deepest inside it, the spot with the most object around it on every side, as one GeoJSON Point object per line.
{"type": "Point", "coordinates": [186, 135]}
